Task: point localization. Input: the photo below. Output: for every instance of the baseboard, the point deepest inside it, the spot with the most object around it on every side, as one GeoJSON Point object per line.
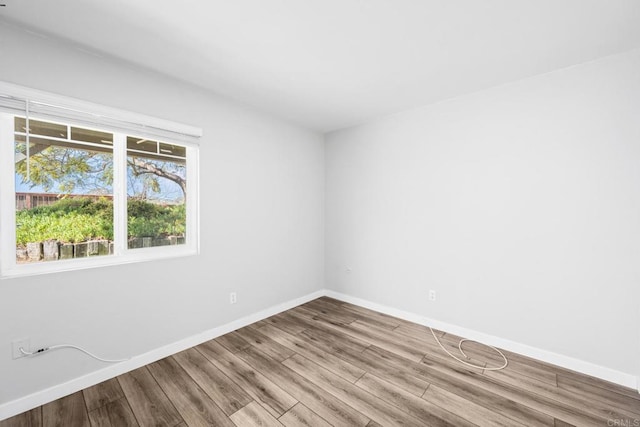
{"type": "Point", "coordinates": [42, 397]}
{"type": "Point", "coordinates": [608, 374]}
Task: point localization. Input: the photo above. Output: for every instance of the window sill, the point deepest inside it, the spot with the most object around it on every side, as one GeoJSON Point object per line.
{"type": "Point", "coordinates": [131, 256]}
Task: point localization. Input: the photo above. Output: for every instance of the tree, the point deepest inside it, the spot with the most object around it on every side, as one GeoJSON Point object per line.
{"type": "Point", "coordinates": [68, 170]}
{"type": "Point", "coordinates": [64, 169]}
{"type": "Point", "coordinates": [161, 169]}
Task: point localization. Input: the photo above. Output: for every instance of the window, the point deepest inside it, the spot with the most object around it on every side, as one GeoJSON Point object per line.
{"type": "Point", "coordinates": [79, 190]}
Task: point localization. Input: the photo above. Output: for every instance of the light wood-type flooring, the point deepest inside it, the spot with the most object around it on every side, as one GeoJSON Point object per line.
{"type": "Point", "coordinates": [329, 363]}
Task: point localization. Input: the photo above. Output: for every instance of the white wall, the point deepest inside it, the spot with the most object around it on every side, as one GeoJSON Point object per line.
{"type": "Point", "coordinates": [262, 189]}
{"type": "Point", "coordinates": [519, 205]}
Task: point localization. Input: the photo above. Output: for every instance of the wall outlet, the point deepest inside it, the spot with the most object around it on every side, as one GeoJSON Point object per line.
{"type": "Point", "coordinates": [432, 295]}
{"type": "Point", "coordinates": [233, 298]}
{"type": "Point", "coordinates": [17, 344]}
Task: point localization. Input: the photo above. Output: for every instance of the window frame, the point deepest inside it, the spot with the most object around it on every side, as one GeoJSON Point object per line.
{"type": "Point", "coordinates": [122, 254]}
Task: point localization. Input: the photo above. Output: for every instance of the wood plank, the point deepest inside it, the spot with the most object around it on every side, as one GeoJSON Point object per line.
{"type": "Point", "coordinates": [439, 358]}
{"type": "Point", "coordinates": [224, 392]}
{"type": "Point", "coordinates": [329, 311]}
{"type": "Point", "coordinates": [371, 406]}
{"type": "Point", "coordinates": [69, 410]}
{"type": "Point", "coordinates": [456, 382]}
{"type": "Point", "coordinates": [193, 404]}
{"type": "Point", "coordinates": [254, 415]}
{"type": "Point", "coordinates": [517, 372]}
{"type": "Point", "coordinates": [597, 382]}
{"type": "Point", "coordinates": [32, 418]}
{"type": "Point", "coordinates": [414, 329]}
{"type": "Point", "coordinates": [466, 408]}
{"type": "Point", "coordinates": [117, 413]}
{"type": "Point", "coordinates": [484, 358]}
{"type": "Point", "coordinates": [332, 409]}
{"type": "Point", "coordinates": [334, 341]}
{"type": "Point", "coordinates": [300, 415]}
{"type": "Point", "coordinates": [434, 354]}
{"type": "Point", "coordinates": [623, 404]}
{"type": "Point", "coordinates": [533, 364]}
{"type": "Point", "coordinates": [423, 336]}
{"type": "Point", "coordinates": [372, 317]}
{"type": "Point", "coordinates": [335, 302]}
{"type": "Point", "coordinates": [147, 400]}
{"type": "Point", "coordinates": [563, 397]}
{"type": "Point", "coordinates": [516, 366]}
{"type": "Point", "coordinates": [306, 348]}
{"type": "Point", "coordinates": [407, 348]}
{"type": "Point", "coordinates": [497, 403]}
{"type": "Point", "coordinates": [233, 342]}
{"type": "Point", "coordinates": [373, 363]}
{"type": "Point", "coordinates": [100, 417]}
{"type": "Point", "coordinates": [472, 349]}
{"type": "Point", "coordinates": [447, 377]}
{"type": "Point", "coordinates": [378, 316]}
{"type": "Point", "coordinates": [273, 398]}
{"type": "Point", "coordinates": [312, 318]}
{"type": "Point", "coordinates": [103, 393]}
{"type": "Point", "coordinates": [429, 413]}
{"type": "Point", "coordinates": [265, 344]}
{"type": "Point", "coordinates": [286, 322]}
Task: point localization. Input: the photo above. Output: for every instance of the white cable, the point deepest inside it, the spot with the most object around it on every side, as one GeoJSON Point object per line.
{"type": "Point", "coordinates": [54, 347]}
{"type": "Point", "coordinates": [506, 362]}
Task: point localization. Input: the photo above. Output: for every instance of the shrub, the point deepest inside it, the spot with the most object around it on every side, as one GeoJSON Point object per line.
{"type": "Point", "coordinates": [81, 219]}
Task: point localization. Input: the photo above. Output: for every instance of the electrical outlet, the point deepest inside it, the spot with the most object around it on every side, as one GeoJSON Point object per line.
{"type": "Point", "coordinates": [233, 298]}
{"type": "Point", "coordinates": [432, 295]}
{"type": "Point", "coordinates": [23, 343]}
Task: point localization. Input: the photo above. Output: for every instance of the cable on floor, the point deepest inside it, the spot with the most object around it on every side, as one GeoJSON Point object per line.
{"type": "Point", "coordinates": [506, 362]}
{"type": "Point", "coordinates": [55, 347]}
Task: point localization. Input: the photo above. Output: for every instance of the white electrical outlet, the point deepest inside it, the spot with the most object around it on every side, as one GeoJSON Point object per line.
{"type": "Point", "coordinates": [23, 343]}
{"type": "Point", "coordinates": [432, 295]}
{"type": "Point", "coordinates": [233, 298]}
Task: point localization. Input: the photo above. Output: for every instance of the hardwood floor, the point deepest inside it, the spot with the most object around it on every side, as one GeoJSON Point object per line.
{"type": "Point", "coordinates": [329, 363]}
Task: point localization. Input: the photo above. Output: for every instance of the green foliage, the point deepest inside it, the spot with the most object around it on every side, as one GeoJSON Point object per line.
{"type": "Point", "coordinates": [65, 169]}
{"type": "Point", "coordinates": [72, 227]}
{"type": "Point", "coordinates": [80, 219]}
{"type": "Point", "coordinates": [152, 220]}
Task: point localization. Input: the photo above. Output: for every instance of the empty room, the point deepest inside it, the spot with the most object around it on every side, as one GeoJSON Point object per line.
{"type": "Point", "coordinates": [319, 213]}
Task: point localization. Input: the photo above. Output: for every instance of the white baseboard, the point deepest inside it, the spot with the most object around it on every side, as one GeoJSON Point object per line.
{"type": "Point", "coordinates": [34, 400]}
{"type": "Point", "coordinates": [567, 362]}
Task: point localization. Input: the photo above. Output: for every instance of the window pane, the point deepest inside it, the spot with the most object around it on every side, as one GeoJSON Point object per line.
{"type": "Point", "coordinates": [37, 127]}
{"type": "Point", "coordinates": [93, 136]}
{"type": "Point", "coordinates": [156, 194]}
{"type": "Point", "coordinates": [172, 150]}
{"type": "Point", "coordinates": [63, 194]}
{"type": "Point", "coordinates": [141, 144]}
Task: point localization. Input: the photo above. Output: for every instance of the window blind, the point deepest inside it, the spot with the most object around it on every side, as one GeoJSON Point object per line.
{"type": "Point", "coordinates": [32, 103]}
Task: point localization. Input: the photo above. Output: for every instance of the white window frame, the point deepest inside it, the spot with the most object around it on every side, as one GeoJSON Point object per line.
{"type": "Point", "coordinates": [122, 254]}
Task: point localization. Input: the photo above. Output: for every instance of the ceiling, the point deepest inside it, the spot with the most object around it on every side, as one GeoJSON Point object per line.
{"type": "Point", "coordinates": [328, 64]}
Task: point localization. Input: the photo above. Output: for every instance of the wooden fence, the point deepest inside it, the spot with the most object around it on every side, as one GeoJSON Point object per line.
{"type": "Point", "coordinates": [52, 250]}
